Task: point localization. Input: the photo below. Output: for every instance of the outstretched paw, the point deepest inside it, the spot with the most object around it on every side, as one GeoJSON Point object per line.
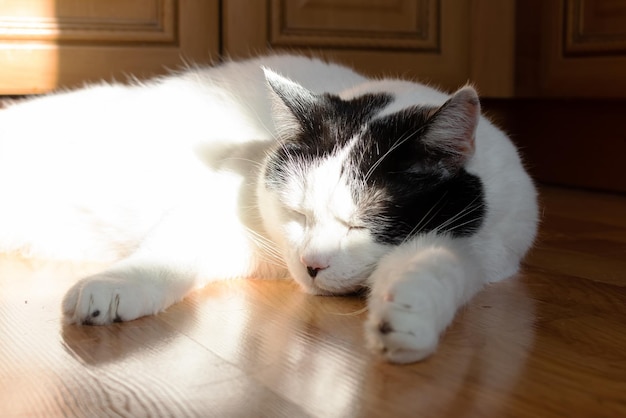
{"type": "Point", "coordinates": [402, 323]}
{"type": "Point", "coordinates": [102, 299]}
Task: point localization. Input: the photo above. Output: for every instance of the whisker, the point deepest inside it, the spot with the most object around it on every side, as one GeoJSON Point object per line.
{"type": "Point", "coordinates": [247, 160]}
{"type": "Point", "coordinates": [396, 144]}
{"type": "Point", "coordinates": [468, 209]}
{"type": "Point", "coordinates": [253, 110]}
{"type": "Point", "coordinates": [354, 313]}
{"type": "Point", "coordinates": [464, 223]}
{"type": "Point", "coordinates": [268, 249]}
{"type": "Point", "coordinates": [423, 221]}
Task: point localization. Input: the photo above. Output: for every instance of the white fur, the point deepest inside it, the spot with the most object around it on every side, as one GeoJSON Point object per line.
{"type": "Point", "coordinates": [160, 178]}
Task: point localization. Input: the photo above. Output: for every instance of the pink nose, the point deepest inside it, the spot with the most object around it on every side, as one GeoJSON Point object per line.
{"type": "Point", "coordinates": [313, 265]}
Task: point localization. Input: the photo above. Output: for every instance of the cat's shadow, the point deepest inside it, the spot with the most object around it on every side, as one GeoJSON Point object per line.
{"type": "Point", "coordinates": [99, 345]}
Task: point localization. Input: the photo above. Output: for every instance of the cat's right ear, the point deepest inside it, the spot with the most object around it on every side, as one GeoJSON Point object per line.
{"type": "Point", "coordinates": [292, 104]}
{"type": "Point", "coordinates": [451, 128]}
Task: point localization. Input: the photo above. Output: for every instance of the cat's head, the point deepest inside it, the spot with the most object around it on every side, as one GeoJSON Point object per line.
{"type": "Point", "coordinates": [349, 180]}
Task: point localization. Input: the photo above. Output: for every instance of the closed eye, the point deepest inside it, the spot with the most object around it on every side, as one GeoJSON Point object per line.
{"type": "Point", "coordinates": [351, 225]}
{"type": "Point", "coordinates": [297, 215]}
{"type": "Point", "coordinates": [357, 227]}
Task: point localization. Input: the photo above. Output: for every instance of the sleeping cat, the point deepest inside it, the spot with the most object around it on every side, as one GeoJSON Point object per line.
{"type": "Point", "coordinates": [280, 166]}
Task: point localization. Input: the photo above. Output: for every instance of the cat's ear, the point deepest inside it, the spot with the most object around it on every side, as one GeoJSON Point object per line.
{"type": "Point", "coordinates": [451, 128]}
{"type": "Point", "coordinates": [292, 105]}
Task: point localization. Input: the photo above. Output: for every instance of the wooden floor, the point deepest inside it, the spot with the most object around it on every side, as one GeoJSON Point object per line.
{"type": "Point", "coordinates": [549, 343]}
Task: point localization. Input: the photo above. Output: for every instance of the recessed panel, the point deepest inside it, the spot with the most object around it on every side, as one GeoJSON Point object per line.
{"type": "Point", "coordinates": [371, 24]}
{"type": "Point", "coordinates": [595, 27]}
{"type": "Point", "coordinates": [89, 21]}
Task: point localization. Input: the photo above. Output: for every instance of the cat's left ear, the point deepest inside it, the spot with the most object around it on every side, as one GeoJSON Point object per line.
{"type": "Point", "coordinates": [451, 128]}
{"type": "Point", "coordinates": [294, 107]}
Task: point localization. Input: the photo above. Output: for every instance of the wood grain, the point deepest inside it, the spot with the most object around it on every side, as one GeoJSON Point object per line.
{"type": "Point", "coordinates": [47, 45]}
{"type": "Point", "coordinates": [445, 43]}
{"type": "Point", "coordinates": [570, 48]}
{"type": "Point", "coordinates": [548, 343]}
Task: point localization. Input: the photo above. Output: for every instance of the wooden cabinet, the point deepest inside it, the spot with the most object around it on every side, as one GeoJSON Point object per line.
{"type": "Point", "coordinates": [570, 74]}
{"type": "Point", "coordinates": [442, 42]}
{"type": "Point", "coordinates": [571, 48]}
{"type": "Point", "coordinates": [506, 48]}
{"type": "Point", "coordinates": [46, 44]}
{"type": "Point", "coordinates": [543, 49]}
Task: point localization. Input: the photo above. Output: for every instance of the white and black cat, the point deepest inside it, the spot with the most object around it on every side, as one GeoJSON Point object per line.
{"type": "Point", "coordinates": [273, 167]}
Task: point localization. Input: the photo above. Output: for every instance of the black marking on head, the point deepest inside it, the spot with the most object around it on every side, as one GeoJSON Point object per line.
{"type": "Point", "coordinates": [408, 205]}
{"type": "Point", "coordinates": [410, 170]}
{"type": "Point", "coordinates": [331, 122]}
{"type": "Point", "coordinates": [325, 124]}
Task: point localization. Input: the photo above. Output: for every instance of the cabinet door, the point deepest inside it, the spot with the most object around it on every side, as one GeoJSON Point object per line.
{"type": "Point", "coordinates": [443, 42]}
{"type": "Point", "coordinates": [572, 48]}
{"type": "Point", "coordinates": [48, 44]}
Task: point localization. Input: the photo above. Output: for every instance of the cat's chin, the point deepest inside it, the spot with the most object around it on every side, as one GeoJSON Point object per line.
{"type": "Point", "coordinates": [311, 290]}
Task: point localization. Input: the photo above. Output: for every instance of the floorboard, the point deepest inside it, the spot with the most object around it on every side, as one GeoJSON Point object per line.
{"type": "Point", "coordinates": [550, 342]}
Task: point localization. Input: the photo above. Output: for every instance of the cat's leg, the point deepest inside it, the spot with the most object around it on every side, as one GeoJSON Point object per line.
{"type": "Point", "coordinates": [415, 293]}
{"type": "Point", "coordinates": [130, 289]}
{"type": "Point", "coordinates": [185, 251]}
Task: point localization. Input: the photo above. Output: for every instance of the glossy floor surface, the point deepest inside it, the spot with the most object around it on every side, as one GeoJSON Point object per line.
{"type": "Point", "coordinates": [550, 342]}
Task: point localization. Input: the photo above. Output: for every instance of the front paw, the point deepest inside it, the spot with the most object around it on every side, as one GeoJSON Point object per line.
{"type": "Point", "coordinates": [403, 323]}
{"type": "Point", "coordinates": [103, 299]}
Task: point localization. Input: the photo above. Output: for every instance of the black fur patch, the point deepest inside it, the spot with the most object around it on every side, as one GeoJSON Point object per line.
{"type": "Point", "coordinates": [411, 188]}
{"type": "Point", "coordinates": [326, 126]}
{"type": "Point", "coordinates": [410, 205]}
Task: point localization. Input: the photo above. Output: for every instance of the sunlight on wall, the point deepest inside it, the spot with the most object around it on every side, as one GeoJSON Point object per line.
{"type": "Point", "coordinates": [28, 49]}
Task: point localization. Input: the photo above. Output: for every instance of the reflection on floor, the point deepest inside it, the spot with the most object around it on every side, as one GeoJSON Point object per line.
{"type": "Point", "coordinates": [550, 342]}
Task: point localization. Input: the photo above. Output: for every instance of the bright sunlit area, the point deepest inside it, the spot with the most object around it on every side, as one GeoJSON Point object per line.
{"type": "Point", "coordinates": [306, 235]}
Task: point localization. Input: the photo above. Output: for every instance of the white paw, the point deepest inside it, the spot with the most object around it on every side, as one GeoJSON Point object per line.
{"type": "Point", "coordinates": [103, 299]}
{"type": "Point", "coordinates": [403, 323]}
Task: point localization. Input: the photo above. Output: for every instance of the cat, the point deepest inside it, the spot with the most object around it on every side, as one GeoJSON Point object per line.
{"type": "Point", "coordinates": [273, 167]}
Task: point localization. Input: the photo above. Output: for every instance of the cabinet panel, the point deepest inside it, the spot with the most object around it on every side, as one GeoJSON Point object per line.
{"type": "Point", "coordinates": [571, 48]}
{"type": "Point", "coordinates": [595, 27]}
{"type": "Point", "coordinates": [372, 24]}
{"type": "Point", "coordinates": [442, 42]}
{"type": "Point", "coordinates": [48, 44]}
{"type": "Point", "coordinates": [89, 21]}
